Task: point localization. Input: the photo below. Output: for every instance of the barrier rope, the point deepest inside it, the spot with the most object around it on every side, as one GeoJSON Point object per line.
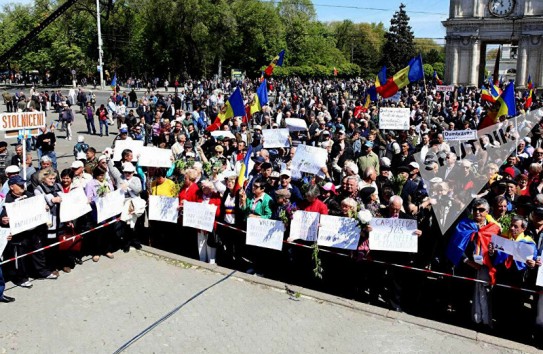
{"type": "Point", "coordinates": [71, 238]}
{"type": "Point", "coordinates": [422, 270]}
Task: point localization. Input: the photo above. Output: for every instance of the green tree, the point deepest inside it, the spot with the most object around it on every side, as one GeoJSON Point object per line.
{"type": "Point", "coordinates": [399, 42]}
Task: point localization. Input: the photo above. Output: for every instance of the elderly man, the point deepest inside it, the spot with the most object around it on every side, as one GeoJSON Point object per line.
{"type": "Point", "coordinates": [81, 178]}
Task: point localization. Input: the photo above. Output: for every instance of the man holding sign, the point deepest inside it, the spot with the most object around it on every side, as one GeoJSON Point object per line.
{"type": "Point", "coordinates": [23, 242]}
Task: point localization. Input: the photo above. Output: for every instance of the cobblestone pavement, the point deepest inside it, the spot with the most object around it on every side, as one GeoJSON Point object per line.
{"type": "Point", "coordinates": [101, 306]}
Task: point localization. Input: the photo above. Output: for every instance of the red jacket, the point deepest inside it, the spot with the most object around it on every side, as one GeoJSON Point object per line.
{"type": "Point", "coordinates": [317, 206]}
{"type": "Point", "coordinates": [189, 194]}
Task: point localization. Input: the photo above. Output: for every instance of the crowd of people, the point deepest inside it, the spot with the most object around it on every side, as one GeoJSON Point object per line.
{"type": "Point", "coordinates": [367, 169]}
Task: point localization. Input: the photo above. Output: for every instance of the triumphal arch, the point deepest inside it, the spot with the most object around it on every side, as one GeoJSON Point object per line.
{"type": "Point", "coordinates": [474, 24]}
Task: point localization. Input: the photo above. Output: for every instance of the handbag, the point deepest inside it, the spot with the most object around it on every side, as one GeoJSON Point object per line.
{"type": "Point", "coordinates": [74, 245]}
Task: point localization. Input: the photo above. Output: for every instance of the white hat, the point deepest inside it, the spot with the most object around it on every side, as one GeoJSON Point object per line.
{"type": "Point", "coordinates": [257, 127]}
{"type": "Point", "coordinates": [80, 138]}
{"type": "Point", "coordinates": [528, 140]}
{"type": "Point", "coordinates": [102, 157]}
{"type": "Point", "coordinates": [414, 165]}
{"type": "Point", "coordinates": [285, 173]}
{"type": "Point", "coordinates": [13, 169]}
{"type": "Point", "coordinates": [128, 167]}
{"type": "Point", "coordinates": [385, 161]}
{"type": "Point", "coordinates": [77, 164]}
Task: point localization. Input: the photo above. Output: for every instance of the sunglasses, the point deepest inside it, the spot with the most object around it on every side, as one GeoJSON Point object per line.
{"type": "Point", "coordinates": [480, 210]}
{"type": "Point", "coordinates": [256, 186]}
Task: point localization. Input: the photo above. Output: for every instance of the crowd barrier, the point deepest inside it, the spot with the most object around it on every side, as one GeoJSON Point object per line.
{"type": "Point", "coordinates": [402, 266]}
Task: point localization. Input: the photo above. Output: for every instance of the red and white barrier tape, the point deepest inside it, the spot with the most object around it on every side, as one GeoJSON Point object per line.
{"type": "Point", "coordinates": [428, 271]}
{"type": "Point", "coordinates": [71, 238]}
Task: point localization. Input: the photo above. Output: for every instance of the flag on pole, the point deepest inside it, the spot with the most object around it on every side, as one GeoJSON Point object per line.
{"type": "Point", "coordinates": [507, 99]}
{"type": "Point", "coordinates": [277, 61]}
{"type": "Point", "coordinates": [411, 73]}
{"type": "Point", "coordinates": [529, 84]}
{"type": "Point", "coordinates": [437, 79]}
{"type": "Point", "coordinates": [234, 107]}
{"type": "Point", "coordinates": [114, 81]}
{"type": "Point", "coordinates": [244, 171]}
{"type": "Point", "coordinates": [260, 98]}
{"type": "Point", "coordinates": [381, 77]}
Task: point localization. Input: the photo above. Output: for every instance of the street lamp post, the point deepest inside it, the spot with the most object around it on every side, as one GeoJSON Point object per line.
{"type": "Point", "coordinates": [100, 51]}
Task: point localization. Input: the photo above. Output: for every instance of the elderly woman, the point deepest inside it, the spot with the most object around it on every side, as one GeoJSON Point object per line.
{"type": "Point", "coordinates": [100, 243]}
{"type": "Point", "coordinates": [469, 245]}
{"type": "Point", "coordinates": [23, 242]}
{"type": "Point", "coordinates": [207, 241]}
{"type": "Point", "coordinates": [50, 191]}
{"type": "Point", "coordinates": [260, 204]}
{"type": "Point", "coordinates": [231, 214]}
{"type": "Point", "coordinates": [312, 203]}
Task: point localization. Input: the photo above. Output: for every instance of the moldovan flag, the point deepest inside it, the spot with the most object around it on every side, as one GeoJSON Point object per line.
{"type": "Point", "coordinates": [277, 61]}
{"type": "Point", "coordinates": [234, 107]}
{"type": "Point", "coordinates": [411, 73]}
{"type": "Point", "coordinates": [507, 100]}
{"type": "Point", "coordinates": [491, 95]}
{"type": "Point", "coordinates": [529, 84]}
{"type": "Point", "coordinates": [438, 80]}
{"type": "Point", "coordinates": [114, 81]}
{"type": "Point", "coordinates": [244, 171]}
{"type": "Point", "coordinates": [260, 98]}
{"type": "Point", "coordinates": [381, 77]}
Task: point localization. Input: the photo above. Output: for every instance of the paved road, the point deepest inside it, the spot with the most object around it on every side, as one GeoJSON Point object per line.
{"type": "Point", "coordinates": [101, 306]}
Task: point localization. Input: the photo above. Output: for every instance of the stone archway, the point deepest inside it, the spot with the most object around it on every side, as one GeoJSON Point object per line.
{"type": "Point", "coordinates": [471, 27]}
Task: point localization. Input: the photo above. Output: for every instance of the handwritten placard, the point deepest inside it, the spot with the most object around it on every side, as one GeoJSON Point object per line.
{"type": "Point", "coordinates": [396, 235]}
{"type": "Point", "coordinates": [459, 135]}
{"type": "Point", "coordinates": [73, 205]}
{"type": "Point", "coordinates": [109, 206]}
{"type": "Point", "coordinates": [163, 208]}
{"type": "Point", "coordinates": [519, 250]}
{"type": "Point", "coordinates": [309, 159]}
{"type": "Point", "coordinates": [274, 138]}
{"type": "Point", "coordinates": [4, 233]}
{"type": "Point", "coordinates": [26, 214]}
{"type": "Point", "coordinates": [155, 157]}
{"type": "Point", "coordinates": [296, 124]}
{"type": "Point", "coordinates": [200, 216]}
{"type": "Point", "coordinates": [265, 233]}
{"type": "Point", "coordinates": [304, 226]}
{"type": "Point", "coordinates": [338, 232]}
{"type": "Point", "coordinates": [445, 88]}
{"type": "Point", "coordinates": [133, 145]}
{"type": "Point", "coordinates": [394, 118]}
{"type": "Point", "coordinates": [539, 280]}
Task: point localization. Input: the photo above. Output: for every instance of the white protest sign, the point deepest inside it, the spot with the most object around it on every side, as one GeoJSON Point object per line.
{"type": "Point", "coordinates": [296, 124]}
{"type": "Point", "coordinates": [4, 233]}
{"type": "Point", "coordinates": [109, 206]}
{"type": "Point", "coordinates": [394, 118]}
{"type": "Point", "coordinates": [265, 233]}
{"type": "Point", "coordinates": [519, 250]}
{"type": "Point", "coordinates": [155, 157]}
{"type": "Point", "coordinates": [200, 216]}
{"type": "Point", "coordinates": [120, 145]}
{"type": "Point", "coordinates": [73, 205]}
{"type": "Point", "coordinates": [459, 135]}
{"type": "Point", "coordinates": [539, 280]}
{"type": "Point", "coordinates": [279, 118]}
{"type": "Point", "coordinates": [274, 138]}
{"type": "Point", "coordinates": [223, 133]}
{"type": "Point", "coordinates": [396, 235]}
{"type": "Point", "coordinates": [304, 226]}
{"type": "Point", "coordinates": [27, 213]}
{"type": "Point", "coordinates": [309, 159]}
{"type": "Point", "coordinates": [338, 232]}
{"type": "Point", "coordinates": [445, 88]}
{"type": "Point", "coordinates": [163, 208]}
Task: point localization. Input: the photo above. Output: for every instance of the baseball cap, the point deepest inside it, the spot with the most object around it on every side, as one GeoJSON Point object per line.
{"type": "Point", "coordinates": [329, 187]}
{"type": "Point", "coordinates": [285, 173]}
{"type": "Point", "coordinates": [16, 180]}
{"type": "Point", "coordinates": [13, 169]}
{"type": "Point", "coordinates": [128, 167]}
{"type": "Point", "coordinates": [414, 165]}
{"type": "Point", "coordinates": [77, 164]}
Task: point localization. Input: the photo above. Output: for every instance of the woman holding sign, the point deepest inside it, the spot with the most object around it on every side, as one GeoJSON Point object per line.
{"type": "Point", "coordinates": [99, 243]}
{"type": "Point", "coordinates": [207, 241]}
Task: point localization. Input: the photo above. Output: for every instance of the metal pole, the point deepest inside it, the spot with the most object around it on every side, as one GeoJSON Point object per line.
{"type": "Point", "coordinates": [100, 51]}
